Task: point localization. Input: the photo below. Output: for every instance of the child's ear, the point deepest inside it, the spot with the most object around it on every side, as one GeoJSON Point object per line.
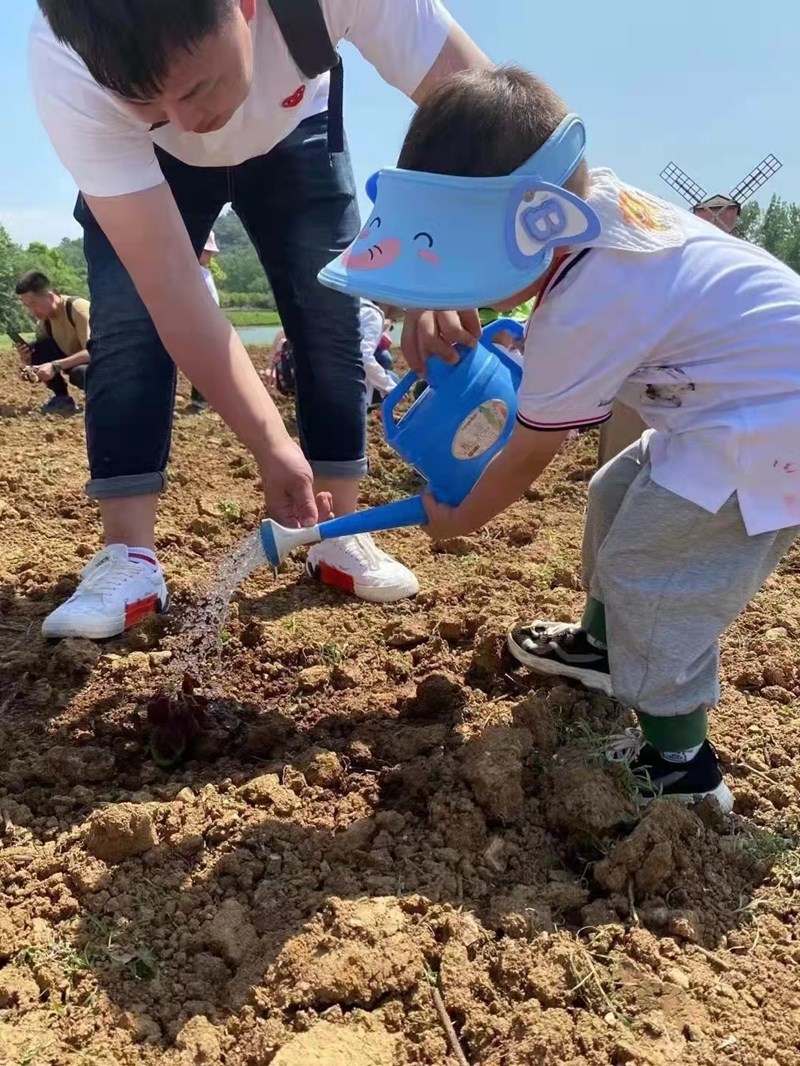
{"type": "Point", "coordinates": [248, 9]}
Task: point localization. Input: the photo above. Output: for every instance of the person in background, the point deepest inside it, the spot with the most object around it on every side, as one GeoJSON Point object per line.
{"type": "Point", "coordinates": [205, 259]}
{"type": "Point", "coordinates": [376, 353]}
{"type": "Point", "coordinates": [59, 356]}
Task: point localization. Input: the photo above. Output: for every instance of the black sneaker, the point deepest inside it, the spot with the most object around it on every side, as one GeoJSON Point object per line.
{"type": "Point", "coordinates": [688, 782]}
{"type": "Point", "coordinates": [60, 405]}
{"type": "Point", "coordinates": [561, 650]}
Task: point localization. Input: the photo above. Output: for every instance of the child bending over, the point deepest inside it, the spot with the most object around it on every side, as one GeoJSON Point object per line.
{"type": "Point", "coordinates": [639, 301]}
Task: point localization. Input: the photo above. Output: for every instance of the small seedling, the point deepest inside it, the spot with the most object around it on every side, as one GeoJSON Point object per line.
{"type": "Point", "coordinates": [231, 512]}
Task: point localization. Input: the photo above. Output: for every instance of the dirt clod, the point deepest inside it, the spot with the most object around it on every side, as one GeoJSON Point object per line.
{"type": "Point", "coordinates": [267, 791]}
{"type": "Point", "coordinates": [493, 768]}
{"type": "Point", "coordinates": [119, 833]}
{"type": "Point", "coordinates": [337, 1045]}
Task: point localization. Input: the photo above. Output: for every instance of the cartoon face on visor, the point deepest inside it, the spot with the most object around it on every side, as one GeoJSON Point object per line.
{"type": "Point", "coordinates": [436, 241]}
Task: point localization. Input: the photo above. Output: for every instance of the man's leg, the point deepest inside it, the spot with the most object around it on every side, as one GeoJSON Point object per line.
{"type": "Point", "coordinates": [130, 397]}
{"type": "Point", "coordinates": [579, 652]}
{"type": "Point", "coordinates": [77, 377]}
{"type": "Point", "coordinates": [298, 206]}
{"type": "Point", "coordinates": [45, 350]}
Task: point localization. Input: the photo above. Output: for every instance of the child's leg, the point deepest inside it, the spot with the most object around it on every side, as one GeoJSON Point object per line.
{"type": "Point", "coordinates": [673, 577]}
{"type": "Point", "coordinates": [607, 491]}
{"type": "Point", "coordinates": [579, 651]}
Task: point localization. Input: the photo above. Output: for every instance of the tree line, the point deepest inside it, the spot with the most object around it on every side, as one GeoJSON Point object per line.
{"type": "Point", "coordinates": [237, 271]}
{"type": "Point", "coordinates": [241, 281]}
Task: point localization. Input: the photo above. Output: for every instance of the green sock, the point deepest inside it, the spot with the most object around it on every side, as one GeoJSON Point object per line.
{"type": "Point", "coordinates": [676, 734]}
{"type": "Point", "coordinates": [594, 622]}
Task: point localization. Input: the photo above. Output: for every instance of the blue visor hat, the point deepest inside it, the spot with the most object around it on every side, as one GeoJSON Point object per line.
{"type": "Point", "coordinates": [442, 242]}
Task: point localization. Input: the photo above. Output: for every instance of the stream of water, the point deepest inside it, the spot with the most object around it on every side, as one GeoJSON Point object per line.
{"type": "Point", "coordinates": [200, 640]}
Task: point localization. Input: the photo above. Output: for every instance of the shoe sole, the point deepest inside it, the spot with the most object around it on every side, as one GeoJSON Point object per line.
{"type": "Point", "coordinates": [721, 795]}
{"type": "Point", "coordinates": [590, 679]}
{"type": "Point", "coordinates": [98, 632]}
{"type": "Point", "coordinates": [369, 593]}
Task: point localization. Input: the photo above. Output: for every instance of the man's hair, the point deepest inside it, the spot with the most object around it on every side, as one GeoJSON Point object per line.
{"type": "Point", "coordinates": [129, 45]}
{"type": "Point", "coordinates": [484, 124]}
{"type": "Point", "coordinates": [34, 282]}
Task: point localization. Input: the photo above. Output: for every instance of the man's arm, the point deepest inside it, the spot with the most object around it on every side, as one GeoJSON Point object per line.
{"type": "Point", "coordinates": [69, 362]}
{"type": "Point", "coordinates": [459, 53]}
{"type": "Point", "coordinates": [47, 371]}
{"type": "Point", "coordinates": [201, 340]}
{"type": "Point", "coordinates": [506, 478]}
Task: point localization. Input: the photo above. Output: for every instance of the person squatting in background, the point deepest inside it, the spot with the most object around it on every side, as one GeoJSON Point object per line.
{"type": "Point", "coordinates": [58, 357]}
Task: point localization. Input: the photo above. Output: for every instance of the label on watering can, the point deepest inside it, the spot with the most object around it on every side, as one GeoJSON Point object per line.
{"type": "Point", "coordinates": [480, 430]}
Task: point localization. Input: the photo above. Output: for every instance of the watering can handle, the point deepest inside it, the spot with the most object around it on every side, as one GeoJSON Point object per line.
{"type": "Point", "coordinates": [503, 325]}
{"type": "Point", "coordinates": [398, 393]}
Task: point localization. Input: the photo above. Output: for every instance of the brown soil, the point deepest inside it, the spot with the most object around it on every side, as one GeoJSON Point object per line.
{"type": "Point", "coordinates": [384, 803]}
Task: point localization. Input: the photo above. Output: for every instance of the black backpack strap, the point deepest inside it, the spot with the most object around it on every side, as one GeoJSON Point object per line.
{"type": "Point", "coordinates": [302, 24]}
{"type": "Point", "coordinates": [70, 316]}
{"type": "Point", "coordinates": [305, 31]}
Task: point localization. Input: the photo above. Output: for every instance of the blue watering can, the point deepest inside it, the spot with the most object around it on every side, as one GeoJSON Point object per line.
{"type": "Point", "coordinates": [449, 435]}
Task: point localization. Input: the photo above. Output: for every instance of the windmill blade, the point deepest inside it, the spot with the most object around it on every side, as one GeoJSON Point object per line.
{"type": "Point", "coordinates": [757, 177]}
{"type": "Point", "coordinates": [680, 181]}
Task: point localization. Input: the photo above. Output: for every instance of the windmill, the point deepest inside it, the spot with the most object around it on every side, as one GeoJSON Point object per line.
{"type": "Point", "coordinates": [723, 211]}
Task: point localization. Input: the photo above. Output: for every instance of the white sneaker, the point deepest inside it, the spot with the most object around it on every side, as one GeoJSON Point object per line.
{"type": "Point", "coordinates": [118, 588]}
{"type": "Point", "coordinates": [357, 565]}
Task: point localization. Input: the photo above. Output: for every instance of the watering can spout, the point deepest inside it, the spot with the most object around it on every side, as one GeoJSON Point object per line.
{"type": "Point", "coordinates": [278, 541]}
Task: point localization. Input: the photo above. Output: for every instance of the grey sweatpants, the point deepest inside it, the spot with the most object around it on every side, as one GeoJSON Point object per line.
{"type": "Point", "coordinates": [672, 578]}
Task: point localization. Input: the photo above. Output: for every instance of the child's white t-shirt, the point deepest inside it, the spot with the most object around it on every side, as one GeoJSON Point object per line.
{"type": "Point", "coordinates": [703, 340]}
{"type": "Point", "coordinates": [109, 151]}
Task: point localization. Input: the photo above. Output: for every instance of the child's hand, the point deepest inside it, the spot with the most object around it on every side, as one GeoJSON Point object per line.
{"type": "Point", "coordinates": [436, 333]}
{"type": "Point", "coordinates": [444, 522]}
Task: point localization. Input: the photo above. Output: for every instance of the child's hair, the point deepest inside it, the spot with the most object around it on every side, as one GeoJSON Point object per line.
{"type": "Point", "coordinates": [485, 124]}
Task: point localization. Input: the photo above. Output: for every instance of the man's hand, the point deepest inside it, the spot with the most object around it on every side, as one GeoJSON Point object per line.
{"type": "Point", "coordinates": [289, 489]}
{"type": "Point", "coordinates": [25, 353]}
{"type": "Point", "coordinates": [444, 523]}
{"type": "Point", "coordinates": [46, 372]}
{"type": "Point", "coordinates": [435, 333]}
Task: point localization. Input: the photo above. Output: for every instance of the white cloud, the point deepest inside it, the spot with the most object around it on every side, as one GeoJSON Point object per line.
{"type": "Point", "coordinates": [26, 225]}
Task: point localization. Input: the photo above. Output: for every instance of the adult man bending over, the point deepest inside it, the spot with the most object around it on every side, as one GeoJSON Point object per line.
{"type": "Point", "coordinates": [59, 353]}
{"type": "Point", "coordinates": [164, 111]}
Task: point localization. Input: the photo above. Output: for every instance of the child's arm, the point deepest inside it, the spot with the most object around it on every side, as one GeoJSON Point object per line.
{"type": "Point", "coordinates": [507, 477]}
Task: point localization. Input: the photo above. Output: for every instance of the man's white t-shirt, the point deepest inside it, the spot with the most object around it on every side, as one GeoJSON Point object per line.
{"type": "Point", "coordinates": [703, 340]}
{"type": "Point", "coordinates": [109, 152]}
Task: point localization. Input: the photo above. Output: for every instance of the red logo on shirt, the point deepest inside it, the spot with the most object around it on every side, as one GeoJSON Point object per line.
{"type": "Point", "coordinates": [295, 98]}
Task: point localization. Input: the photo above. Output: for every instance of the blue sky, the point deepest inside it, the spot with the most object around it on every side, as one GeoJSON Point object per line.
{"type": "Point", "coordinates": [654, 81]}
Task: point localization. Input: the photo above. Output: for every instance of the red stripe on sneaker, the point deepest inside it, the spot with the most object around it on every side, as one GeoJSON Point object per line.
{"type": "Point", "coordinates": [143, 558]}
{"type": "Point", "coordinates": [338, 579]}
{"type": "Point", "coordinates": [135, 612]}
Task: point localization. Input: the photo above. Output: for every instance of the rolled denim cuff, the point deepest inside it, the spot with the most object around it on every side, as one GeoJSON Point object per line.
{"type": "Point", "coordinates": [115, 488]}
{"type": "Point", "coordinates": [345, 469]}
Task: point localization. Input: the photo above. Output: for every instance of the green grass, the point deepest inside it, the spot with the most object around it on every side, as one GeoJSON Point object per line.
{"type": "Point", "coordinates": [253, 318]}
{"type": "Point", "coordinates": [5, 341]}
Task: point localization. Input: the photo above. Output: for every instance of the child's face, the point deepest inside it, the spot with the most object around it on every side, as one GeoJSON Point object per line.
{"type": "Point", "coordinates": [533, 290]}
